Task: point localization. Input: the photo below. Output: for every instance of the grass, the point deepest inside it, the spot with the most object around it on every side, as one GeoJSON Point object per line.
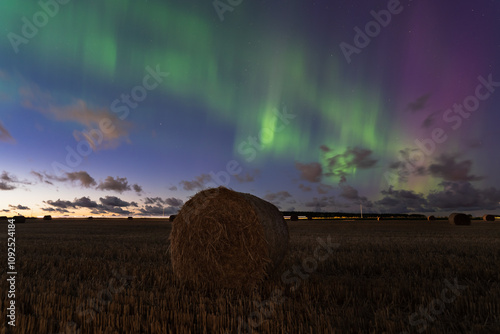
{"type": "Point", "coordinates": [115, 276]}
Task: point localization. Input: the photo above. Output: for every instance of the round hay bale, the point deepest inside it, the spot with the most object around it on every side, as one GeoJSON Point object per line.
{"type": "Point", "coordinates": [4, 218]}
{"type": "Point", "coordinates": [459, 219]}
{"type": "Point", "coordinates": [226, 239]}
{"type": "Point", "coordinates": [47, 217]}
{"type": "Point", "coordinates": [130, 218]}
{"type": "Point", "coordinates": [91, 217]}
{"type": "Point", "coordinates": [294, 218]}
{"type": "Point", "coordinates": [489, 218]}
{"type": "Point", "coordinates": [431, 218]}
{"type": "Point", "coordinates": [171, 218]}
{"type": "Point", "coordinates": [19, 219]}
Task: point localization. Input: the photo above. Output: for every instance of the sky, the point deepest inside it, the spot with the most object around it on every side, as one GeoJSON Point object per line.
{"type": "Point", "coordinates": [130, 107]}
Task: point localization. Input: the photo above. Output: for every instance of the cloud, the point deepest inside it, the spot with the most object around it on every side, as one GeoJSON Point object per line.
{"type": "Point", "coordinates": [429, 120]}
{"type": "Point", "coordinates": [60, 204]}
{"type": "Point", "coordinates": [247, 177]}
{"type": "Point", "coordinates": [351, 194]}
{"type": "Point", "coordinates": [324, 148]}
{"type": "Point", "coordinates": [149, 210]}
{"type": "Point", "coordinates": [320, 203]}
{"type": "Point", "coordinates": [311, 172]}
{"type": "Point", "coordinates": [278, 196]}
{"type": "Point", "coordinates": [419, 103]}
{"type": "Point", "coordinates": [9, 181]}
{"type": "Point", "coordinates": [19, 207]}
{"type": "Point", "coordinates": [85, 202]}
{"type": "Point", "coordinates": [113, 201]}
{"type": "Point", "coordinates": [324, 188]}
{"type": "Point", "coordinates": [6, 186]}
{"type": "Point", "coordinates": [5, 135]}
{"type": "Point", "coordinates": [110, 209]}
{"type": "Point", "coordinates": [464, 196]}
{"type": "Point", "coordinates": [447, 168]}
{"type": "Point", "coordinates": [304, 187]}
{"type": "Point", "coordinates": [344, 163]}
{"type": "Point", "coordinates": [83, 177]}
{"type": "Point", "coordinates": [137, 188]}
{"type": "Point", "coordinates": [402, 201]}
{"type": "Point", "coordinates": [197, 184]}
{"type": "Point", "coordinates": [154, 200]}
{"type": "Point", "coordinates": [173, 188]}
{"type": "Point", "coordinates": [174, 202]}
{"type": "Point", "coordinates": [410, 163]}
{"type": "Point", "coordinates": [55, 210]}
{"type": "Point", "coordinates": [117, 130]}
{"type": "Point", "coordinates": [120, 184]}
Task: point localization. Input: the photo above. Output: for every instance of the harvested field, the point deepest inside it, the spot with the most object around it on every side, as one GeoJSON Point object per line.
{"type": "Point", "coordinates": [115, 276]}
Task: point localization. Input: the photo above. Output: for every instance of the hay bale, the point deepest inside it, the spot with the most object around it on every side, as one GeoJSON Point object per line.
{"type": "Point", "coordinates": [223, 238]}
{"type": "Point", "coordinates": [19, 219]}
{"type": "Point", "coordinates": [431, 218]}
{"type": "Point", "coordinates": [459, 219]}
{"type": "Point", "coordinates": [47, 217]}
{"type": "Point", "coordinates": [91, 217]}
{"type": "Point", "coordinates": [294, 218]}
{"type": "Point", "coordinates": [130, 218]}
{"type": "Point", "coordinates": [171, 218]}
{"type": "Point", "coordinates": [4, 218]}
{"type": "Point", "coordinates": [489, 218]}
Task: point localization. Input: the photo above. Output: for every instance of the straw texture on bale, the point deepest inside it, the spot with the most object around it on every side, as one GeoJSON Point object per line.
{"type": "Point", "coordinates": [431, 218]}
{"type": "Point", "coordinates": [227, 239]}
{"type": "Point", "coordinates": [489, 218]}
{"type": "Point", "coordinates": [459, 219]}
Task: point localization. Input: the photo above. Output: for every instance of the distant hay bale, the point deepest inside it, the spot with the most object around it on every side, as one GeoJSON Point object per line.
{"type": "Point", "coordinates": [489, 218]}
{"type": "Point", "coordinates": [130, 218]}
{"type": "Point", "coordinates": [47, 217]}
{"type": "Point", "coordinates": [226, 239]}
{"type": "Point", "coordinates": [19, 219]}
{"type": "Point", "coordinates": [4, 218]}
{"type": "Point", "coordinates": [431, 218]}
{"type": "Point", "coordinates": [294, 218]}
{"type": "Point", "coordinates": [459, 219]}
{"type": "Point", "coordinates": [171, 218]}
{"type": "Point", "coordinates": [91, 217]}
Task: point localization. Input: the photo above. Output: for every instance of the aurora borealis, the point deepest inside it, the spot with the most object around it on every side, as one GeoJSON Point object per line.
{"type": "Point", "coordinates": [129, 107]}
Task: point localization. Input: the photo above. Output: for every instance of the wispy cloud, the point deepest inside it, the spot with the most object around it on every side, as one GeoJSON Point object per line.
{"type": "Point", "coordinates": [92, 119]}
{"type": "Point", "coordinates": [5, 135]}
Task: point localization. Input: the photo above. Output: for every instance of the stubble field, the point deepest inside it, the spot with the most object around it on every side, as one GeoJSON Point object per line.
{"type": "Point", "coordinates": [115, 276]}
